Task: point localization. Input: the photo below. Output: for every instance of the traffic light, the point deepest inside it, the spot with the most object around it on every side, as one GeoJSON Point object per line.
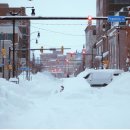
{"type": "Point", "coordinates": [83, 51]}
{"type": "Point", "coordinates": [36, 41]}
{"type": "Point", "coordinates": [62, 49]}
{"type": "Point", "coordinates": [41, 50]}
{"type": "Point", "coordinates": [3, 52]}
{"type": "Point", "coordinates": [89, 20]}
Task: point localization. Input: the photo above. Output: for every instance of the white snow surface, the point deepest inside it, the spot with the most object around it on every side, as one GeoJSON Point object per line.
{"type": "Point", "coordinates": [40, 104]}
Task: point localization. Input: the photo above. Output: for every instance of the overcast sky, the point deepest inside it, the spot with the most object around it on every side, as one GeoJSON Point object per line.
{"type": "Point", "coordinates": [58, 33]}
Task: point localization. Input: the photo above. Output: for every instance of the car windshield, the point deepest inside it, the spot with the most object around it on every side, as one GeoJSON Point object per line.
{"type": "Point", "coordinates": [87, 76]}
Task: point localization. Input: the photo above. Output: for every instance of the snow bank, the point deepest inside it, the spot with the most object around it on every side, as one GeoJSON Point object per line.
{"type": "Point", "coordinates": [40, 104]}
{"type": "Point", "coordinates": [12, 101]}
{"type": "Point", "coordinates": [43, 84]}
{"type": "Point", "coordinates": [12, 95]}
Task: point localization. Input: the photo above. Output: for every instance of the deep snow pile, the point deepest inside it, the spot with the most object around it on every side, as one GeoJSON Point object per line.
{"type": "Point", "coordinates": [40, 104]}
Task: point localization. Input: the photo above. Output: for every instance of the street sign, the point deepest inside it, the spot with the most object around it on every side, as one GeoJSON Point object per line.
{"type": "Point", "coordinates": [24, 68]}
{"type": "Point", "coordinates": [116, 19]}
{"type": "Point", "coordinates": [1, 65]}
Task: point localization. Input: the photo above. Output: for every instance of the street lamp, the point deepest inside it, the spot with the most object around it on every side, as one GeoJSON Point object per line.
{"type": "Point", "coordinates": [33, 10]}
{"type": "Point", "coordinates": [36, 40]}
{"type": "Point", "coordinates": [38, 34]}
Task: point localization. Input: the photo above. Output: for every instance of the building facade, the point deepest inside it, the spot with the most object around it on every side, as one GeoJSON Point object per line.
{"type": "Point", "coordinates": [22, 34]}
{"type": "Point", "coordinates": [61, 65]}
{"type": "Point", "coordinates": [108, 8]}
{"type": "Point", "coordinates": [90, 35]}
{"type": "Point", "coordinates": [113, 38]}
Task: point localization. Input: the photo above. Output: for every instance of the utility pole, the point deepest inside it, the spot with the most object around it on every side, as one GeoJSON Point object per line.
{"type": "Point", "coordinates": [9, 66]}
{"type": "Point", "coordinates": [13, 20]}
{"type": "Point", "coordinates": [101, 60]}
{"type": "Point", "coordinates": [118, 40]}
{"type": "Point", "coordinates": [83, 57]}
{"type": "Point", "coordinates": [13, 47]}
{"type": "Point", "coordinates": [3, 74]}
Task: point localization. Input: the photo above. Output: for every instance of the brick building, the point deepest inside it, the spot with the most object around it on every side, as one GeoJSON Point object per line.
{"type": "Point", "coordinates": [22, 32]}
{"type": "Point", "coordinates": [106, 8]}
{"type": "Point", "coordinates": [57, 63]}
{"type": "Point", "coordinates": [113, 37]}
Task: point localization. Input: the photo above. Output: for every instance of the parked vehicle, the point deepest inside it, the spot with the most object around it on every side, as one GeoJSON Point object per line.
{"type": "Point", "coordinates": [102, 77]}
{"type": "Point", "coordinates": [58, 74]}
{"type": "Point", "coordinates": [14, 80]}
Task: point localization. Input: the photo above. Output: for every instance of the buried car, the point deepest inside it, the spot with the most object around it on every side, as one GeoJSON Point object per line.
{"type": "Point", "coordinates": [102, 77]}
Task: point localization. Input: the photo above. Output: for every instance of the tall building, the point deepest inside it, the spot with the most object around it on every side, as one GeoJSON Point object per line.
{"type": "Point", "coordinates": [22, 34]}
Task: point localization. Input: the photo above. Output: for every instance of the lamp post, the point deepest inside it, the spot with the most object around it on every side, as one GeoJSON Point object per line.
{"type": "Point", "coordinates": [83, 57]}
{"type": "Point", "coordinates": [118, 42]}
{"type": "Point", "coordinates": [10, 66]}
{"type": "Point", "coordinates": [14, 14]}
{"type": "Point", "coordinates": [3, 56]}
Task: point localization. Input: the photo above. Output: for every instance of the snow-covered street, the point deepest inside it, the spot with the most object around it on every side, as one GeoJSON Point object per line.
{"type": "Point", "coordinates": [40, 104]}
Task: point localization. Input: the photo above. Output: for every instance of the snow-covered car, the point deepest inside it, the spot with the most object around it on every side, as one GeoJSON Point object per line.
{"type": "Point", "coordinates": [102, 77]}
{"type": "Point", "coordinates": [58, 74]}
{"type": "Point", "coordinates": [14, 80]}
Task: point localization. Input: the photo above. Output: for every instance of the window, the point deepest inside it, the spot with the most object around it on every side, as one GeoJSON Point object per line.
{"type": "Point", "coordinates": [0, 69]}
{"type": "Point", "coordinates": [1, 38]}
{"type": "Point", "coordinates": [10, 37]}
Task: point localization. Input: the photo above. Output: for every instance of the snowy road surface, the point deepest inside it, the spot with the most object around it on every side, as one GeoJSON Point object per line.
{"type": "Point", "coordinates": [40, 104]}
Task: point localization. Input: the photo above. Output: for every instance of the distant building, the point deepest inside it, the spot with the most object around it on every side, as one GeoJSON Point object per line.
{"type": "Point", "coordinates": [53, 62]}
{"type": "Point", "coordinates": [59, 64]}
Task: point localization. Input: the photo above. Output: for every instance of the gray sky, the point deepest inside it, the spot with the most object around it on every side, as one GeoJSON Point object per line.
{"type": "Point", "coordinates": [58, 33]}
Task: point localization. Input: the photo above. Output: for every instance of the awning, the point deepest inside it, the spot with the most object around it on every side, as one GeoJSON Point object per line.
{"type": "Point", "coordinates": [99, 57]}
{"type": "Point", "coordinates": [99, 43]}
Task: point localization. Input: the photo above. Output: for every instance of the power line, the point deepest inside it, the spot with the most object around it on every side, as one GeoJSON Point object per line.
{"type": "Point", "coordinates": [58, 24]}
{"type": "Point", "coordinates": [61, 24]}
{"type": "Point", "coordinates": [57, 32]}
